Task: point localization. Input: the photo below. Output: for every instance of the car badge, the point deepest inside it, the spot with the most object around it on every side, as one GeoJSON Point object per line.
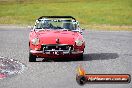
{"type": "Point", "coordinates": [57, 40]}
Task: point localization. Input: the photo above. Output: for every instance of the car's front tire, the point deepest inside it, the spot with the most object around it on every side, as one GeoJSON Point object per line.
{"type": "Point", "coordinates": [32, 58]}
{"type": "Point", "coordinates": [80, 57]}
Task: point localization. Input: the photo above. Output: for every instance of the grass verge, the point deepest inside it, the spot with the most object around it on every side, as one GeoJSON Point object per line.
{"type": "Point", "coordinates": [92, 14]}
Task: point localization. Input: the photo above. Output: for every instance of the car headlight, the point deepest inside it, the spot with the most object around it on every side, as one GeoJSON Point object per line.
{"type": "Point", "coordinates": [35, 41]}
{"type": "Point", "coordinates": [79, 42]}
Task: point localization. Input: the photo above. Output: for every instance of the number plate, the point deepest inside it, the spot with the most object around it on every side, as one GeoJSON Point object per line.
{"type": "Point", "coordinates": [56, 52]}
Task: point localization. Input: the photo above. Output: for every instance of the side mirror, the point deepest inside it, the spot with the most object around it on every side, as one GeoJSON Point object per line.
{"type": "Point", "coordinates": [83, 29]}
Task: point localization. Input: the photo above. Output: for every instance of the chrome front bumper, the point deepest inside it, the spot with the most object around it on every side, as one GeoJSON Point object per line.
{"type": "Point", "coordinates": [55, 52]}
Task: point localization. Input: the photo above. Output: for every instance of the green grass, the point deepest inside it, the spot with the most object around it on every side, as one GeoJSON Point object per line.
{"type": "Point", "coordinates": [88, 12]}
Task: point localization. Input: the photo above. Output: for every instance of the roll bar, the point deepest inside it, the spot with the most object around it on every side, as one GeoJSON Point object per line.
{"type": "Point", "coordinates": [56, 17]}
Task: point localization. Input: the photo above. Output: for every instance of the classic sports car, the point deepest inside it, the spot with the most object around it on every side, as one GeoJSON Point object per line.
{"type": "Point", "coordinates": [56, 37]}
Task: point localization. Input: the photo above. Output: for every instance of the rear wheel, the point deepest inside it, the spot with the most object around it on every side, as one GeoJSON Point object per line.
{"type": "Point", "coordinates": [32, 58]}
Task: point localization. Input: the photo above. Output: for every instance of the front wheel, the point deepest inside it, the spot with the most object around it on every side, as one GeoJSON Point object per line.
{"type": "Point", "coordinates": [32, 58]}
{"type": "Point", "coordinates": [80, 57]}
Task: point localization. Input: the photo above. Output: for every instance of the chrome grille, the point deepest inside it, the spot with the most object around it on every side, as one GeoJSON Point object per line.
{"type": "Point", "coordinates": [56, 47]}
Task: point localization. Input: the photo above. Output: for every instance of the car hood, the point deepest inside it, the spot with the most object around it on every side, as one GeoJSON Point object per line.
{"type": "Point", "coordinates": [64, 37]}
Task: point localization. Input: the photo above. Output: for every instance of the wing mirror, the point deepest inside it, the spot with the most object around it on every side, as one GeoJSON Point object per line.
{"type": "Point", "coordinates": [83, 29]}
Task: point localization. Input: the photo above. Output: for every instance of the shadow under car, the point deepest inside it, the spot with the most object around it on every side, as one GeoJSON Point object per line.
{"type": "Point", "coordinates": [86, 57]}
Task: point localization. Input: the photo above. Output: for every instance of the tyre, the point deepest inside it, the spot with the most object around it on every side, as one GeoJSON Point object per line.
{"type": "Point", "coordinates": [32, 58]}
{"type": "Point", "coordinates": [80, 57]}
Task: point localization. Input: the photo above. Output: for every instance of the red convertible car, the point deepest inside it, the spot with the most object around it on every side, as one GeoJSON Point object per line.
{"type": "Point", "coordinates": [56, 37]}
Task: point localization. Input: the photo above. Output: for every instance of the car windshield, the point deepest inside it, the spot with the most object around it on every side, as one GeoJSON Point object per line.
{"type": "Point", "coordinates": [55, 24]}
